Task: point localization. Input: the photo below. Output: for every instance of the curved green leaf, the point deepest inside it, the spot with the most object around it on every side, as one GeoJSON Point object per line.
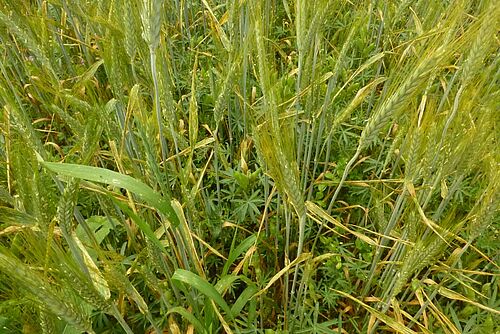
{"type": "Point", "coordinates": [203, 286]}
{"type": "Point", "coordinates": [189, 317]}
{"type": "Point", "coordinates": [234, 253]}
{"type": "Point", "coordinates": [96, 174]}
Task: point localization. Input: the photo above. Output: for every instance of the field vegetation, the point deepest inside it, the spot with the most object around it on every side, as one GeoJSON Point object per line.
{"type": "Point", "coordinates": [249, 166]}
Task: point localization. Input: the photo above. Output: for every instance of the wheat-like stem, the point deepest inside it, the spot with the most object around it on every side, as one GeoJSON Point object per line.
{"type": "Point", "coordinates": [46, 321]}
{"type": "Point", "coordinates": [45, 294]}
{"type": "Point", "coordinates": [151, 24]}
{"type": "Point", "coordinates": [65, 212]}
{"type": "Point", "coordinates": [384, 113]}
{"type": "Point", "coordinates": [116, 277]}
{"type": "Point", "coordinates": [394, 103]}
{"type": "Point", "coordinates": [129, 9]}
{"type": "Point", "coordinates": [271, 141]}
{"type": "Point", "coordinates": [482, 43]}
{"type": "Point", "coordinates": [85, 289]}
{"type": "Point", "coordinates": [481, 217]}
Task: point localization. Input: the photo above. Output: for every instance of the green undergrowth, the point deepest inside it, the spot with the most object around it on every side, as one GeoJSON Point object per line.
{"type": "Point", "coordinates": [259, 166]}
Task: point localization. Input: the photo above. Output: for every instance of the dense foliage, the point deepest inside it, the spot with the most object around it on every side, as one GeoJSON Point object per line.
{"type": "Point", "coordinates": [258, 166]}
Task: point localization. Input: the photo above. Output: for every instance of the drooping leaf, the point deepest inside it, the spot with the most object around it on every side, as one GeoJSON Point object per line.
{"type": "Point", "coordinates": [116, 179]}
